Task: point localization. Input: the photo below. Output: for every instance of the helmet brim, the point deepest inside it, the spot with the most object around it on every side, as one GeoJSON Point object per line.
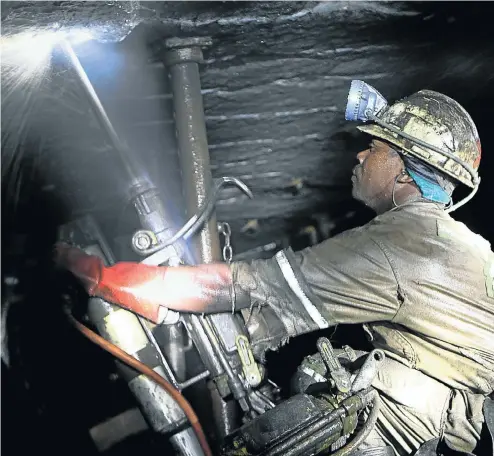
{"type": "Point", "coordinates": [382, 133]}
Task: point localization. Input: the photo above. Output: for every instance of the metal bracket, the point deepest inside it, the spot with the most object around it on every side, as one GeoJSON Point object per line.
{"type": "Point", "coordinates": [249, 366]}
{"type": "Point", "coordinates": [340, 376]}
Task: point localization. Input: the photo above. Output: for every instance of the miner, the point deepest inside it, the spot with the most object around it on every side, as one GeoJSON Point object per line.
{"type": "Point", "coordinates": [421, 283]}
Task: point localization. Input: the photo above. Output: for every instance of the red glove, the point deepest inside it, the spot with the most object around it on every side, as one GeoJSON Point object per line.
{"type": "Point", "coordinates": [146, 289]}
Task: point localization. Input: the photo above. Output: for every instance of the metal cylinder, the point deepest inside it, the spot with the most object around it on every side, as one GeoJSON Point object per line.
{"type": "Point", "coordinates": [174, 348]}
{"type": "Point", "coordinates": [159, 409]}
{"type": "Point", "coordinates": [182, 58]}
{"type": "Point", "coordinates": [202, 342]}
{"type": "Point", "coordinates": [368, 371]}
{"type": "Point", "coordinates": [152, 213]}
{"type": "Point", "coordinates": [123, 329]}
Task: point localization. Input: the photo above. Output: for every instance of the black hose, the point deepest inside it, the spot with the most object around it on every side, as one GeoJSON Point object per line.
{"type": "Point", "coordinates": [307, 432]}
{"type": "Point", "coordinates": [365, 431]}
{"type": "Point", "coordinates": [326, 427]}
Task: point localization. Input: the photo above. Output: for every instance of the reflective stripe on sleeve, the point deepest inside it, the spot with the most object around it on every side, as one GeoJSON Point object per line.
{"type": "Point", "coordinates": [294, 285]}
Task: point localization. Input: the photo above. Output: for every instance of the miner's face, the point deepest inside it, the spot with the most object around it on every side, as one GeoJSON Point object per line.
{"type": "Point", "coordinates": [374, 176]}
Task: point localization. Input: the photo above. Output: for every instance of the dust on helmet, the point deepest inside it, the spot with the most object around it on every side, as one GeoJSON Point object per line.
{"type": "Point", "coordinates": [431, 118]}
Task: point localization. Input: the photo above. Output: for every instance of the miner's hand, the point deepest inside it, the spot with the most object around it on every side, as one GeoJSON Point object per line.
{"type": "Point", "coordinates": [150, 290]}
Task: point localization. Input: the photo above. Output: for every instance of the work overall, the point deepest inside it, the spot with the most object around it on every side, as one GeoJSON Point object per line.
{"type": "Point", "coordinates": [422, 285]}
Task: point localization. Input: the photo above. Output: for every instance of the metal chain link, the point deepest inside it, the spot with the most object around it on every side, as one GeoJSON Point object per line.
{"type": "Point", "coordinates": [225, 230]}
{"type": "Point", "coordinates": [250, 369]}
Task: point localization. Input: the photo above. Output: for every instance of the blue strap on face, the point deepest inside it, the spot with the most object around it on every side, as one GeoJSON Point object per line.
{"type": "Point", "coordinates": [430, 190]}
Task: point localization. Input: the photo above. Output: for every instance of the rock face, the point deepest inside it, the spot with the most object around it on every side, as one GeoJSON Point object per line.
{"type": "Point", "coordinates": [275, 83]}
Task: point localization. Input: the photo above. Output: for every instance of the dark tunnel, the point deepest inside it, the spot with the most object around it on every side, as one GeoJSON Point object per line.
{"type": "Point", "coordinates": [274, 81]}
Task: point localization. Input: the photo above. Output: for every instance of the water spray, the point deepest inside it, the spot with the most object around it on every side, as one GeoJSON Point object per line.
{"type": "Point", "coordinates": [100, 113]}
{"type": "Point", "coordinates": [145, 197]}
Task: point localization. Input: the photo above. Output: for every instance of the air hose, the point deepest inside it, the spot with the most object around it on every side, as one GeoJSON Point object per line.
{"type": "Point", "coordinates": [365, 431]}
{"type": "Point", "coordinates": [139, 366]}
{"type": "Point", "coordinates": [197, 220]}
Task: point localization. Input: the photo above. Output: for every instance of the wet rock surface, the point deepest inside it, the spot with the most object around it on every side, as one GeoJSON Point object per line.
{"type": "Point", "coordinates": [275, 83]}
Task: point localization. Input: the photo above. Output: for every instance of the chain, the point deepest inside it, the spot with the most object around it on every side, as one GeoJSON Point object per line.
{"type": "Point", "coordinates": [225, 230]}
{"type": "Point", "coordinates": [250, 368]}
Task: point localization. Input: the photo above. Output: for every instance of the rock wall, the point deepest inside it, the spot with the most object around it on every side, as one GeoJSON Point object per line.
{"type": "Point", "coordinates": [274, 83]}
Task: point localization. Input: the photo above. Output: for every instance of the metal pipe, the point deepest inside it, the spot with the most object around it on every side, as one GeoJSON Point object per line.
{"type": "Point", "coordinates": [203, 344]}
{"type": "Point", "coordinates": [182, 57]}
{"type": "Point", "coordinates": [174, 348]}
{"type": "Point", "coordinates": [193, 380]}
{"type": "Point", "coordinates": [368, 371]}
{"type": "Point", "coordinates": [123, 329]}
{"type": "Point", "coordinates": [234, 383]}
{"type": "Point", "coordinates": [169, 373]}
{"type": "Point", "coordinates": [146, 326]}
{"type": "Point", "coordinates": [160, 410]}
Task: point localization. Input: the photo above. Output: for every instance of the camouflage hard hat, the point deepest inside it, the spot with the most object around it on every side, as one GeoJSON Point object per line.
{"type": "Point", "coordinates": [438, 120]}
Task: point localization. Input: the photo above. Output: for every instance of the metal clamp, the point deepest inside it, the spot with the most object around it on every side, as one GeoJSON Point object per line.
{"type": "Point", "coordinates": [338, 373]}
{"type": "Point", "coordinates": [249, 366]}
{"type": "Point", "coordinates": [164, 362]}
{"type": "Point", "coordinates": [198, 219]}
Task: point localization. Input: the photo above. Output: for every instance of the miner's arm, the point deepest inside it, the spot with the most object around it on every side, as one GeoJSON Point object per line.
{"type": "Point", "coordinates": [347, 279]}
{"type": "Point", "coordinates": [150, 290]}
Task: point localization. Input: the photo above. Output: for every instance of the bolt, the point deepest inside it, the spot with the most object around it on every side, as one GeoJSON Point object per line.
{"type": "Point", "coordinates": [142, 241]}
{"type": "Point", "coordinates": [183, 50]}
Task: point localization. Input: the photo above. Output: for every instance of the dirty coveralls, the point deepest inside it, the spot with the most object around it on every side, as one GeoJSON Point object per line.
{"type": "Point", "coordinates": [422, 284]}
